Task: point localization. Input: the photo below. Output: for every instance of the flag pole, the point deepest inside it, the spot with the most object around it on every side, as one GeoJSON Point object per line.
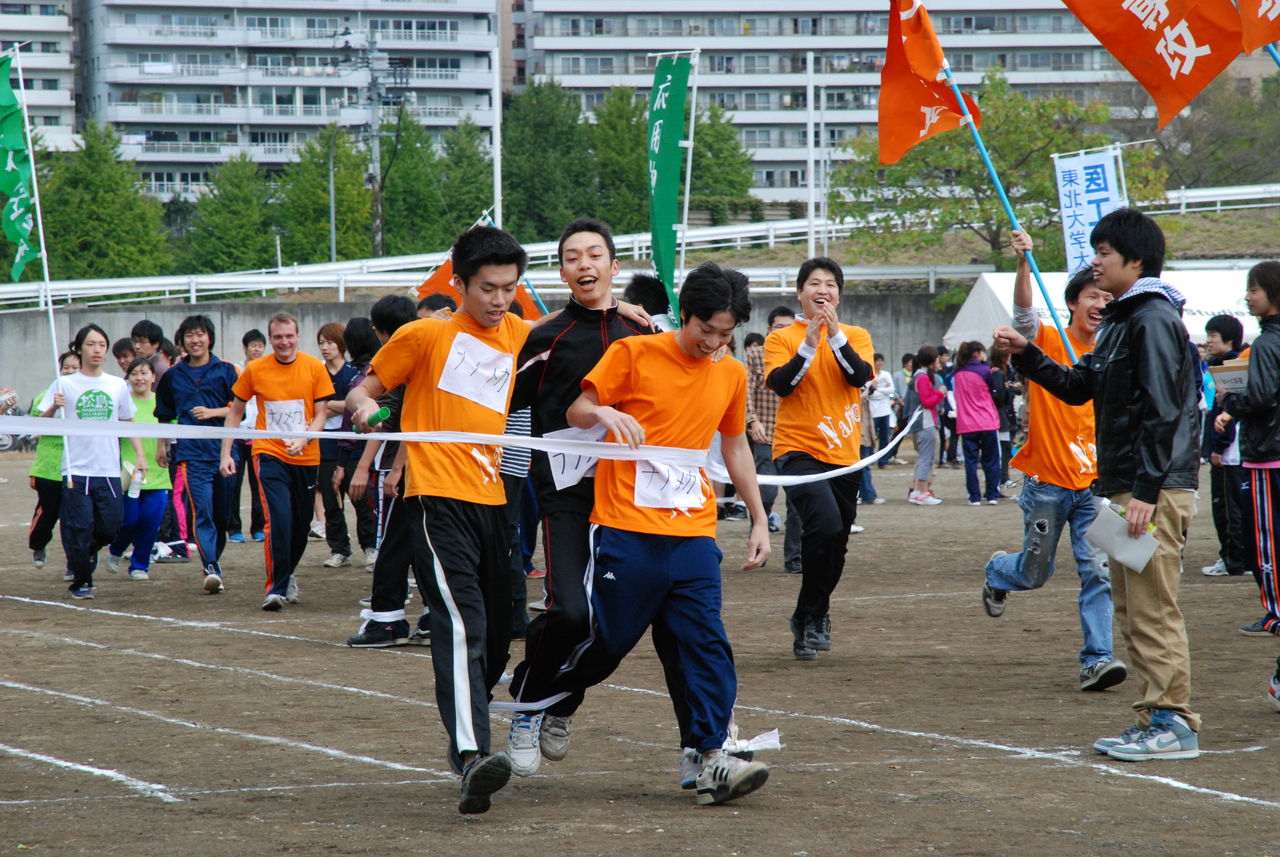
{"type": "Point", "coordinates": [1271, 49]}
{"type": "Point", "coordinates": [46, 296]}
{"type": "Point", "coordinates": [694, 55]}
{"type": "Point", "coordinates": [1004, 200]}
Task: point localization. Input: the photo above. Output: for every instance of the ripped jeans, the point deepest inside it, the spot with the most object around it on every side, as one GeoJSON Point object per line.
{"type": "Point", "coordinates": [1046, 509]}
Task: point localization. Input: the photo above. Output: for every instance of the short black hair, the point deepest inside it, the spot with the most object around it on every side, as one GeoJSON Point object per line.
{"type": "Point", "coordinates": [121, 347]}
{"type": "Point", "coordinates": [1075, 285]}
{"type": "Point", "coordinates": [649, 292]}
{"type": "Point", "coordinates": [587, 224]}
{"type": "Point", "coordinates": [254, 335]}
{"type": "Point", "coordinates": [709, 289]}
{"type": "Point", "coordinates": [1266, 276]}
{"type": "Point", "coordinates": [169, 350]}
{"type": "Point", "coordinates": [486, 245]}
{"type": "Point", "coordinates": [780, 311]}
{"type": "Point", "coordinates": [63, 357]}
{"type": "Point", "coordinates": [877, 356]}
{"type": "Point", "coordinates": [196, 322]}
{"type": "Point", "coordinates": [362, 343]}
{"type": "Point", "coordinates": [433, 303]}
{"type": "Point", "coordinates": [907, 358]}
{"type": "Point", "coordinates": [1228, 328]}
{"type": "Point", "coordinates": [820, 263]}
{"type": "Point", "coordinates": [148, 330]}
{"type": "Point", "coordinates": [516, 310]}
{"type": "Point", "coordinates": [925, 358]}
{"type": "Point", "coordinates": [391, 312]}
{"type": "Point", "coordinates": [1133, 235]}
{"type": "Point", "coordinates": [752, 339]}
{"type": "Point", "coordinates": [78, 343]}
{"type": "Point", "coordinates": [136, 362]}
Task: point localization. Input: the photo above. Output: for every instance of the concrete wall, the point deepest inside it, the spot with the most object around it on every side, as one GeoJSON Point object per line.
{"type": "Point", "coordinates": [898, 323]}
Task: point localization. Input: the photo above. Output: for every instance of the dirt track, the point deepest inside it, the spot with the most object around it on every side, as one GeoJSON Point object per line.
{"type": "Point", "coordinates": [207, 727]}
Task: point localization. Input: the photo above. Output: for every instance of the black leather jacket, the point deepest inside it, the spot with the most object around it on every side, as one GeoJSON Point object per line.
{"type": "Point", "coordinates": [1143, 377]}
{"type": "Point", "coordinates": [1258, 408]}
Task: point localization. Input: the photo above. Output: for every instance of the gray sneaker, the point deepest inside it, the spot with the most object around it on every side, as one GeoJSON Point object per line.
{"type": "Point", "coordinates": [1104, 745]}
{"type": "Point", "coordinates": [800, 644]}
{"type": "Point", "coordinates": [38, 558]}
{"type": "Point", "coordinates": [292, 593]}
{"type": "Point", "coordinates": [994, 600]}
{"type": "Point", "coordinates": [1102, 675]}
{"type": "Point", "coordinates": [554, 740]}
{"type": "Point", "coordinates": [273, 602]}
{"type": "Point", "coordinates": [1171, 738]}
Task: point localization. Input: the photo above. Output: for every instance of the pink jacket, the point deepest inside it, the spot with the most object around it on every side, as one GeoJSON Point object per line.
{"type": "Point", "coordinates": [975, 408]}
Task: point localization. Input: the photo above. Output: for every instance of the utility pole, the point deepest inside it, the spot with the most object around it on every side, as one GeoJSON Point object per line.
{"type": "Point", "coordinates": [377, 64]}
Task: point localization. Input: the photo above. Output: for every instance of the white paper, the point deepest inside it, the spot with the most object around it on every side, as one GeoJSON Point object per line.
{"type": "Point", "coordinates": [286, 415]}
{"type": "Point", "coordinates": [1109, 533]}
{"type": "Point", "coordinates": [568, 469]}
{"type": "Point", "coordinates": [479, 373]}
{"type": "Point", "coordinates": [669, 486]}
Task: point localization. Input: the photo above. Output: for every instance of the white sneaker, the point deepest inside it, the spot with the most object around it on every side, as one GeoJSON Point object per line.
{"type": "Point", "coordinates": [554, 740]}
{"type": "Point", "coordinates": [1218, 569]}
{"type": "Point", "coordinates": [292, 593]}
{"type": "Point", "coordinates": [522, 744]}
{"type": "Point", "coordinates": [138, 574]}
{"type": "Point", "coordinates": [317, 530]}
{"type": "Point", "coordinates": [213, 583]}
{"type": "Point", "coordinates": [690, 767]}
{"type": "Point", "coordinates": [114, 562]}
{"type": "Point", "coordinates": [727, 777]}
{"type": "Point", "coordinates": [539, 606]}
{"type": "Point", "coordinates": [272, 602]}
{"type": "Point", "coordinates": [923, 498]}
{"type": "Point", "coordinates": [370, 557]}
{"type": "Point", "coordinates": [854, 529]}
{"type": "Point", "coordinates": [337, 560]}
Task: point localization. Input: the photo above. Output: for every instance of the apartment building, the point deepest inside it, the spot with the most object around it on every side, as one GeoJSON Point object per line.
{"type": "Point", "coordinates": [191, 83]}
{"type": "Point", "coordinates": [754, 61]}
{"type": "Point", "coordinates": [43, 30]}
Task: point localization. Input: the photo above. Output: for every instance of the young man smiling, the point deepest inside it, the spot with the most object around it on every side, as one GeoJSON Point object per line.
{"type": "Point", "coordinates": [1143, 377]}
{"type": "Point", "coordinates": [458, 376]}
{"type": "Point", "coordinates": [1060, 461]}
{"type": "Point", "coordinates": [819, 366]}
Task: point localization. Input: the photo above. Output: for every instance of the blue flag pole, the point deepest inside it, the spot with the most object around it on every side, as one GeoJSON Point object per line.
{"type": "Point", "coordinates": [1271, 49]}
{"type": "Point", "coordinates": [536, 297]}
{"type": "Point", "coordinates": [1004, 200]}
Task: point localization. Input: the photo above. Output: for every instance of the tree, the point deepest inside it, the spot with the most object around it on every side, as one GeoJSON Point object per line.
{"type": "Point", "coordinates": [1228, 133]}
{"type": "Point", "coordinates": [97, 220]}
{"type": "Point", "coordinates": [721, 167]}
{"type": "Point", "coordinates": [466, 178]}
{"type": "Point", "coordinates": [304, 200]}
{"type": "Point", "coordinates": [412, 199]}
{"type": "Point", "coordinates": [232, 230]}
{"type": "Point", "coordinates": [942, 183]}
{"type": "Point", "coordinates": [619, 149]}
{"type": "Point", "coordinates": [545, 162]}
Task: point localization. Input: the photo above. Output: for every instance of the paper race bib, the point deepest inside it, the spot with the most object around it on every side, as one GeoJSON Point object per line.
{"type": "Point", "coordinates": [477, 372]}
{"type": "Point", "coordinates": [286, 415]}
{"type": "Point", "coordinates": [568, 469]}
{"type": "Point", "coordinates": [669, 486]}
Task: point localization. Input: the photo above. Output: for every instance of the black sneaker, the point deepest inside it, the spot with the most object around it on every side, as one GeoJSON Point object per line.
{"type": "Point", "coordinates": [734, 512]}
{"type": "Point", "coordinates": [823, 631]}
{"type": "Point", "coordinates": [421, 635]}
{"type": "Point", "coordinates": [793, 567]}
{"type": "Point", "coordinates": [993, 601]}
{"type": "Point", "coordinates": [480, 779]}
{"type": "Point", "coordinates": [381, 635]}
{"type": "Point", "coordinates": [1259, 628]}
{"type": "Point", "coordinates": [1102, 675]}
{"type": "Point", "coordinates": [799, 642]}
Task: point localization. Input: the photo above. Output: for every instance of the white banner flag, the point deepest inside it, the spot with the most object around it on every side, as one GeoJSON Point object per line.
{"type": "Point", "coordinates": [1089, 186]}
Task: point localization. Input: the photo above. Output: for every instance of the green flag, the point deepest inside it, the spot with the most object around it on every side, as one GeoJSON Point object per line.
{"type": "Point", "coordinates": [18, 216]}
{"type": "Point", "coordinates": [666, 130]}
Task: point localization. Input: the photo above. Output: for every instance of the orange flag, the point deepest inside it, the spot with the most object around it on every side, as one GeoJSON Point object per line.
{"type": "Point", "coordinates": [1174, 48]}
{"type": "Point", "coordinates": [914, 105]}
{"type": "Point", "coordinates": [1260, 20]}
{"type": "Point", "coordinates": [441, 283]}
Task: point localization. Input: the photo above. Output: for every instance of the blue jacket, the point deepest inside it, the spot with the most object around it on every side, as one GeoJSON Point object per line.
{"type": "Point", "coordinates": [179, 392]}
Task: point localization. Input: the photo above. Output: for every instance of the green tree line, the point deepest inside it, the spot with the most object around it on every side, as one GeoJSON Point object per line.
{"type": "Point", "coordinates": [558, 164]}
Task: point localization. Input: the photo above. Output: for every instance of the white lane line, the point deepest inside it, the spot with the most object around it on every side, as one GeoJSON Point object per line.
{"type": "Point", "coordinates": [223, 730]}
{"type": "Point", "coordinates": [245, 671]}
{"type": "Point", "coordinates": [245, 790]}
{"type": "Point", "coordinates": [155, 790]}
{"type": "Point", "coordinates": [1022, 752]}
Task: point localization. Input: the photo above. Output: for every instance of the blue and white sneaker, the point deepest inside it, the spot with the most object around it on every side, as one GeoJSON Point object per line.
{"type": "Point", "coordinates": [690, 767]}
{"type": "Point", "coordinates": [1273, 687]}
{"type": "Point", "coordinates": [81, 593]}
{"type": "Point", "coordinates": [1169, 737]}
{"type": "Point", "coordinates": [522, 744]}
{"type": "Point", "coordinates": [1103, 745]}
{"type": "Point", "coordinates": [236, 538]}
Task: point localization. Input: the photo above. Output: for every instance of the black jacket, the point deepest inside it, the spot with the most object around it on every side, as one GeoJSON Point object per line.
{"type": "Point", "coordinates": [1220, 442]}
{"type": "Point", "coordinates": [1143, 377]}
{"type": "Point", "coordinates": [1258, 407]}
{"type": "Point", "coordinates": [555, 358]}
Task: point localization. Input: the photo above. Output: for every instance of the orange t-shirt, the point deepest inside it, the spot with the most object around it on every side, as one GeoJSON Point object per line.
{"type": "Point", "coordinates": [680, 401]}
{"type": "Point", "coordinates": [822, 415]}
{"type": "Point", "coordinates": [1060, 447]}
{"type": "Point", "coordinates": [286, 394]}
{"type": "Point", "coordinates": [457, 376]}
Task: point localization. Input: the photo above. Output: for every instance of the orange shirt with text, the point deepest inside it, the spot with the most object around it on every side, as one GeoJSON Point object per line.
{"type": "Point", "coordinates": [458, 376]}
{"type": "Point", "coordinates": [286, 394]}
{"type": "Point", "coordinates": [822, 415]}
{"type": "Point", "coordinates": [1060, 447]}
{"type": "Point", "coordinates": [680, 401]}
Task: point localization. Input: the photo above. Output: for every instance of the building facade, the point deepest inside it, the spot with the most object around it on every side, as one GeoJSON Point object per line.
{"type": "Point", "coordinates": [754, 61]}
{"type": "Point", "coordinates": [43, 30]}
{"type": "Point", "coordinates": [190, 84]}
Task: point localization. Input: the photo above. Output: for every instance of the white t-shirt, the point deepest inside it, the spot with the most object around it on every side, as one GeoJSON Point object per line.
{"type": "Point", "coordinates": [102, 399]}
{"type": "Point", "coordinates": [881, 398]}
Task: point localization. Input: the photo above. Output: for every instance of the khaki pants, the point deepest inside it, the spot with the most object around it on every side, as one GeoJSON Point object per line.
{"type": "Point", "coordinates": [1146, 606]}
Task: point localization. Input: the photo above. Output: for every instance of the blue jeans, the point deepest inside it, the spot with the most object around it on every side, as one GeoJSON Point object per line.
{"type": "Point", "coordinates": [1046, 509]}
{"type": "Point", "coordinates": [139, 525]}
{"type": "Point", "coordinates": [984, 444]}
{"type": "Point", "coordinates": [866, 490]}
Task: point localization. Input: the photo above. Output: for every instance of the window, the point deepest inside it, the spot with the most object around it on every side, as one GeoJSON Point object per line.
{"type": "Point", "coordinates": [757, 26]}
{"type": "Point", "coordinates": [49, 47]}
{"type": "Point", "coordinates": [1052, 60]}
{"type": "Point", "coordinates": [755, 64]}
{"type": "Point", "coordinates": [48, 10]}
{"type": "Point", "coordinates": [673, 27]}
{"type": "Point", "coordinates": [322, 27]}
{"type": "Point", "coordinates": [586, 27]}
{"type": "Point", "coordinates": [721, 64]}
{"type": "Point", "coordinates": [48, 83]}
{"type": "Point", "coordinates": [272, 26]}
{"type": "Point", "coordinates": [586, 65]}
{"type": "Point", "coordinates": [726, 99]}
{"type": "Point", "coordinates": [723, 27]}
{"type": "Point", "coordinates": [762, 100]}
{"type": "Point", "coordinates": [15, 9]}
{"type": "Point", "coordinates": [49, 121]}
{"type": "Point", "coordinates": [591, 100]}
{"type": "Point", "coordinates": [757, 138]}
